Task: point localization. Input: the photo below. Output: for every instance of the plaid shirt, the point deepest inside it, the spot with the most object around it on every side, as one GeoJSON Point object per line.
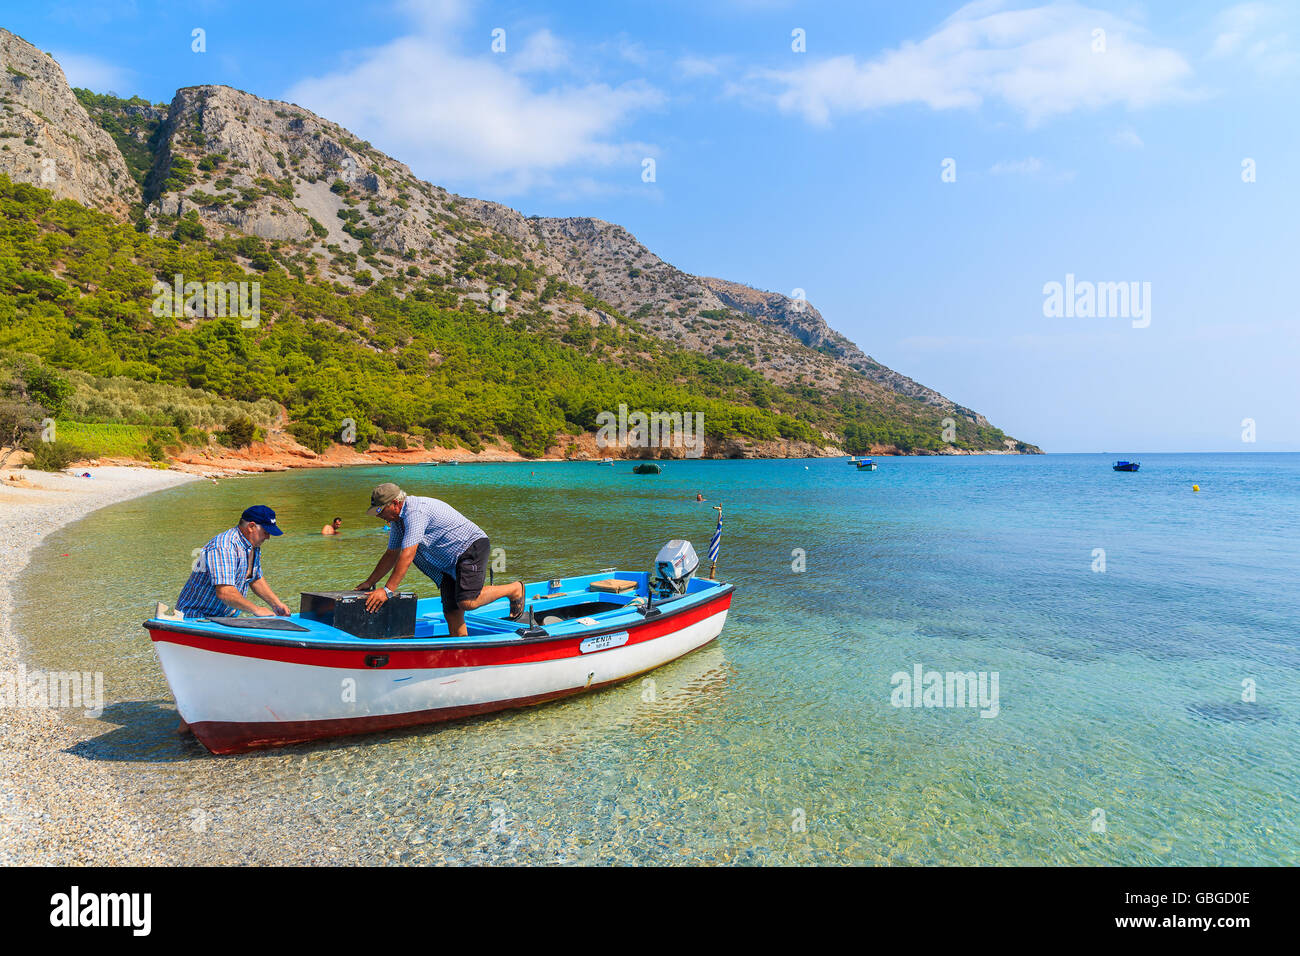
{"type": "Point", "coordinates": [441, 532]}
{"type": "Point", "coordinates": [224, 560]}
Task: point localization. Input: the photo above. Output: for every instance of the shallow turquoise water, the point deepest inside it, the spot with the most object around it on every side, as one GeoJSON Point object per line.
{"type": "Point", "coordinates": [1119, 691]}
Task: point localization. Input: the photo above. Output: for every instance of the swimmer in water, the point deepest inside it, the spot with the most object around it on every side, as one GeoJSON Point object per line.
{"type": "Point", "coordinates": [699, 496]}
{"type": "Point", "coordinates": [332, 527]}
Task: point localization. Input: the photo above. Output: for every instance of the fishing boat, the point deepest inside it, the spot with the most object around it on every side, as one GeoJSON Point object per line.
{"type": "Point", "coordinates": [646, 468]}
{"type": "Point", "coordinates": [606, 461]}
{"type": "Point", "coordinates": [1127, 465]}
{"type": "Point", "coordinates": [866, 464]}
{"type": "Point", "coordinates": [333, 670]}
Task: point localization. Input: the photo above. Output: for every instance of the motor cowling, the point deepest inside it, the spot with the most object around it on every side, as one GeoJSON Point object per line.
{"type": "Point", "coordinates": [674, 566]}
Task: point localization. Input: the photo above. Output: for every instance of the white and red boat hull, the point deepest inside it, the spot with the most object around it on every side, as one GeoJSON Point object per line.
{"type": "Point", "coordinates": [238, 695]}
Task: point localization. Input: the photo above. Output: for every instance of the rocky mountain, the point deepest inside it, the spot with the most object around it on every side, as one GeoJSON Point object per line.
{"type": "Point", "coordinates": [48, 139]}
{"type": "Point", "coordinates": [223, 162]}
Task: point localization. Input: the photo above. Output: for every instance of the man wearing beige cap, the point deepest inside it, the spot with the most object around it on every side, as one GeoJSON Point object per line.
{"type": "Point", "coordinates": [452, 550]}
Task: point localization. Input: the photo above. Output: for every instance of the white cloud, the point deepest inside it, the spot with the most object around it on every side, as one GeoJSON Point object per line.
{"type": "Point", "coordinates": [1235, 25]}
{"type": "Point", "coordinates": [541, 52]}
{"type": "Point", "coordinates": [631, 51]}
{"type": "Point", "coordinates": [694, 66]}
{"type": "Point", "coordinates": [92, 73]}
{"type": "Point", "coordinates": [1039, 62]}
{"type": "Point", "coordinates": [1254, 32]}
{"type": "Point", "coordinates": [472, 119]}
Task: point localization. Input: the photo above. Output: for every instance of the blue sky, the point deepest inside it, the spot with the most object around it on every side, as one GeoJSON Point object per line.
{"type": "Point", "coordinates": [1113, 157]}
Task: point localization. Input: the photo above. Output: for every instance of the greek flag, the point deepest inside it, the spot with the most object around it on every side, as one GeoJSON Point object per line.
{"type": "Point", "coordinates": [716, 543]}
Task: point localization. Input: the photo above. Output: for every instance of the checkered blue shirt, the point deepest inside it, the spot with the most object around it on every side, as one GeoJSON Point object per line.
{"type": "Point", "coordinates": [441, 532]}
{"type": "Point", "coordinates": [224, 560]}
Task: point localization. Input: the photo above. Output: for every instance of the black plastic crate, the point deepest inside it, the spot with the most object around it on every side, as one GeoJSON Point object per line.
{"type": "Point", "coordinates": [346, 610]}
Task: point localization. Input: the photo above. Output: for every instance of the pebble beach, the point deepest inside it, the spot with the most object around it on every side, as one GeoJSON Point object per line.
{"type": "Point", "coordinates": [57, 808]}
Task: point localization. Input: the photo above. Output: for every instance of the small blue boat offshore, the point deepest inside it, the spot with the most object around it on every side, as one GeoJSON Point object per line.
{"type": "Point", "coordinates": [1127, 465]}
{"type": "Point", "coordinates": [866, 464]}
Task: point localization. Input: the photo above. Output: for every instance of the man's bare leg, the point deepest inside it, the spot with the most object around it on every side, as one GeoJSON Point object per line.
{"type": "Point", "coordinates": [492, 592]}
{"type": "Point", "coordinates": [456, 623]}
{"type": "Point", "coordinates": [456, 617]}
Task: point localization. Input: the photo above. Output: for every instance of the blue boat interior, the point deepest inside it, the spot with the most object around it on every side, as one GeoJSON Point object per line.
{"type": "Point", "coordinates": [562, 607]}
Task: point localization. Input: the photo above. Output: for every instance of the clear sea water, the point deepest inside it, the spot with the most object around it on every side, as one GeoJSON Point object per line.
{"type": "Point", "coordinates": [1121, 736]}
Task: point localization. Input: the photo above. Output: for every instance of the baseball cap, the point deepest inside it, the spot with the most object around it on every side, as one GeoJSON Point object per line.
{"type": "Point", "coordinates": [263, 516]}
{"type": "Point", "coordinates": [382, 496]}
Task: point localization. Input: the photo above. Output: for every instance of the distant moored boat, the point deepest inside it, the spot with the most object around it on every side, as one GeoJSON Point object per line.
{"type": "Point", "coordinates": [1127, 465]}
{"type": "Point", "coordinates": [866, 464]}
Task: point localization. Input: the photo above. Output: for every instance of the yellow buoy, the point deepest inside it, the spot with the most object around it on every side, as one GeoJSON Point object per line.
{"type": "Point", "coordinates": [1196, 487]}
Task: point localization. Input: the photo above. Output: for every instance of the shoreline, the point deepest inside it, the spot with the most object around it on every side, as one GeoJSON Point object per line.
{"type": "Point", "coordinates": [57, 808]}
{"type": "Point", "coordinates": [267, 459]}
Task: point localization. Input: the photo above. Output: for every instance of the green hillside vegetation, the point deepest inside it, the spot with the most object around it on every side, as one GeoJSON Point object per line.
{"type": "Point", "coordinates": [128, 122]}
{"type": "Point", "coordinates": [119, 441]}
{"type": "Point", "coordinates": [124, 400]}
{"type": "Point", "coordinates": [76, 290]}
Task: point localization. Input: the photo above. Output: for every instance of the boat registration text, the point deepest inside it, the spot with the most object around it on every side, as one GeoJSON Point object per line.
{"type": "Point", "coordinates": [603, 643]}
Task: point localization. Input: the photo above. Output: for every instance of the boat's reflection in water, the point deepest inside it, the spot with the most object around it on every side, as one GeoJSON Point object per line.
{"type": "Point", "coordinates": [692, 687]}
{"type": "Point", "coordinates": [689, 689]}
{"type": "Point", "coordinates": [558, 781]}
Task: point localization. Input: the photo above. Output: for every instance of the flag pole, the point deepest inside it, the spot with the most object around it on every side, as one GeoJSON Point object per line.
{"type": "Point", "coordinates": [716, 546]}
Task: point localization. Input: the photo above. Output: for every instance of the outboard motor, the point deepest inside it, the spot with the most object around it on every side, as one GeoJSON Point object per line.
{"type": "Point", "coordinates": [674, 566]}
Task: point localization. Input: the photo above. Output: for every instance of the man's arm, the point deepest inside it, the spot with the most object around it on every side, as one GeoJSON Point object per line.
{"type": "Point", "coordinates": [225, 565]}
{"type": "Point", "coordinates": [386, 562]}
{"type": "Point", "coordinates": [404, 559]}
{"type": "Point", "coordinates": [402, 562]}
{"type": "Point", "coordinates": [230, 596]}
{"type": "Point", "coordinates": [263, 590]}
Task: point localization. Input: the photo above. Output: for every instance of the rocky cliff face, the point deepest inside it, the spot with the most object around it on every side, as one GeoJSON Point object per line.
{"type": "Point", "coordinates": [47, 138]}
{"type": "Point", "coordinates": [350, 215]}
{"type": "Point", "coordinates": [275, 170]}
{"type": "Point", "coordinates": [801, 320]}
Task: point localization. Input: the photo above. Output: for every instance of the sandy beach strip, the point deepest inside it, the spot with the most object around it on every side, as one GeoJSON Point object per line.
{"type": "Point", "coordinates": [57, 808]}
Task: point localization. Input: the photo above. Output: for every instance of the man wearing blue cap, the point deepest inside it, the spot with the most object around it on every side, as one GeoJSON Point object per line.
{"type": "Point", "coordinates": [230, 564]}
